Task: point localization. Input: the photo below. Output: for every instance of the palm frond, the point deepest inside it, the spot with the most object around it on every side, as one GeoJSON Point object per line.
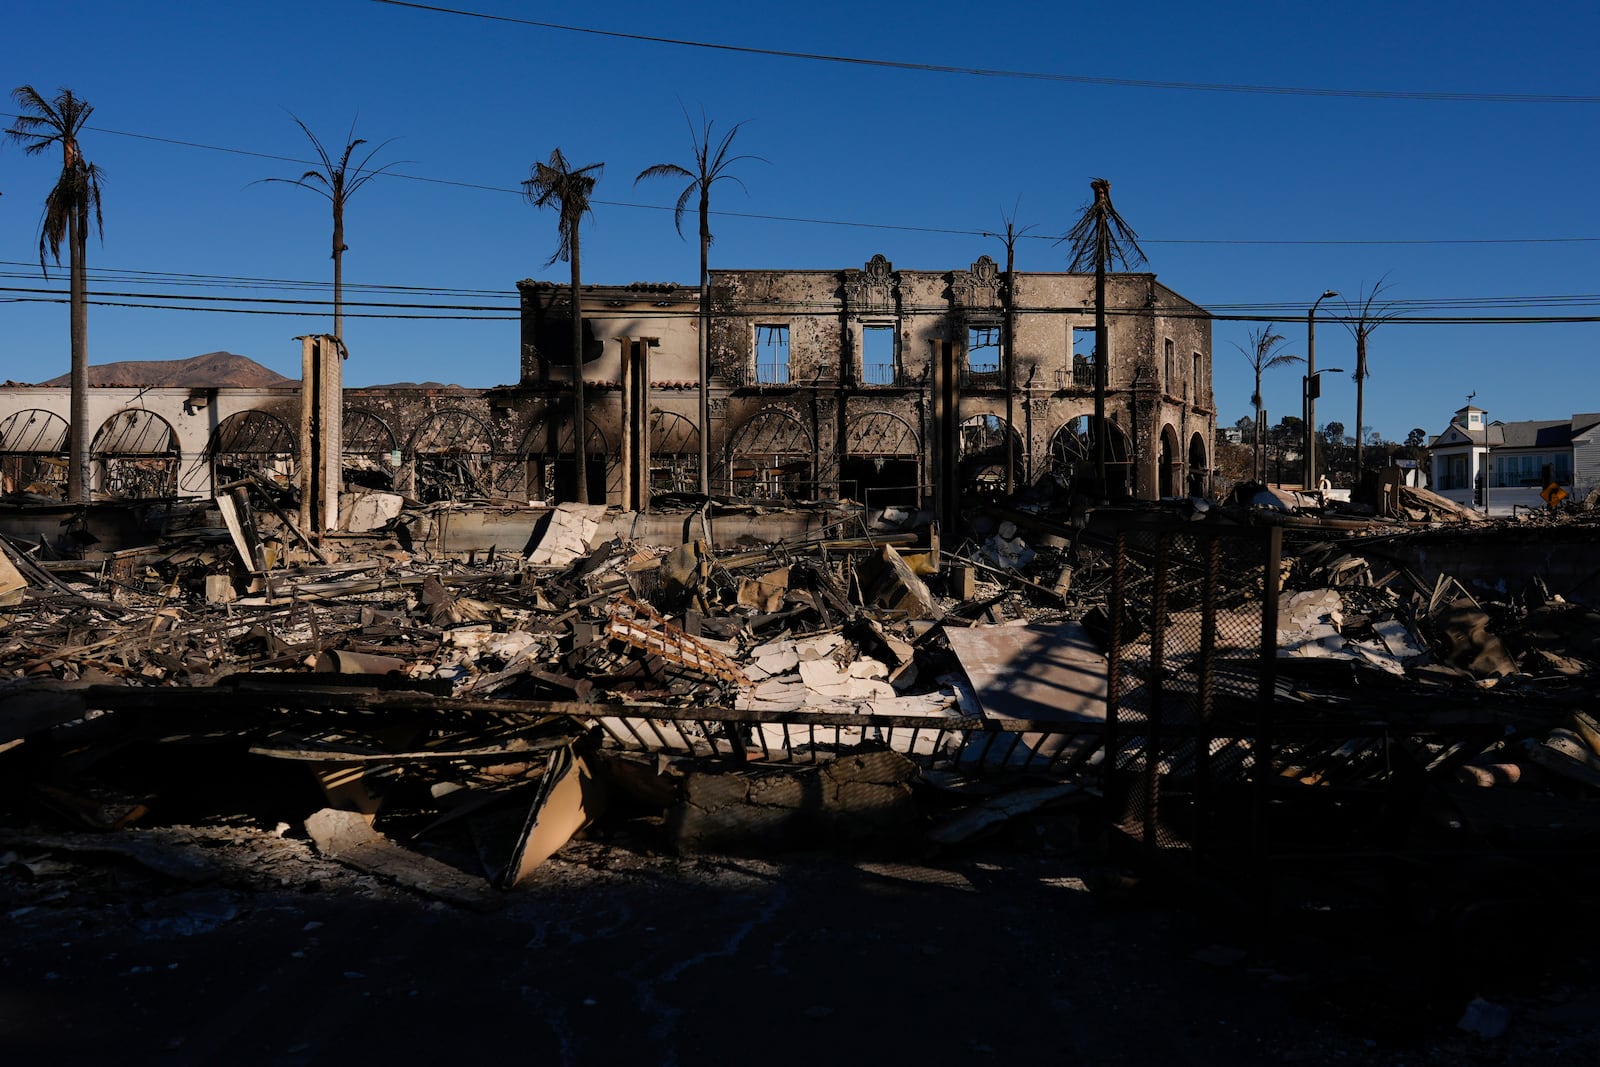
{"type": "Point", "coordinates": [710, 166]}
{"type": "Point", "coordinates": [556, 183]}
{"type": "Point", "coordinates": [1101, 237]}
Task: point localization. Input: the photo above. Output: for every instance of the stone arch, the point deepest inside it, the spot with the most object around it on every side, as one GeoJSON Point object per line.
{"type": "Point", "coordinates": [771, 454]}
{"type": "Point", "coordinates": [984, 441]}
{"type": "Point", "coordinates": [371, 450]}
{"type": "Point", "coordinates": [34, 453]}
{"type": "Point", "coordinates": [1169, 464]}
{"type": "Point", "coordinates": [451, 457]}
{"type": "Point", "coordinates": [135, 455]}
{"type": "Point", "coordinates": [674, 453]}
{"type": "Point", "coordinates": [1199, 466]}
{"type": "Point", "coordinates": [1073, 451]}
{"type": "Point", "coordinates": [246, 443]}
{"type": "Point", "coordinates": [547, 468]}
{"type": "Point", "coordinates": [882, 460]}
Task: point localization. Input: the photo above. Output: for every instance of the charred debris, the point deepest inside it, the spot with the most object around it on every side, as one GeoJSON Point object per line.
{"type": "Point", "coordinates": [1279, 705]}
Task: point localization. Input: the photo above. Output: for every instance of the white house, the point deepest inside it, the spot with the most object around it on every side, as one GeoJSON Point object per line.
{"type": "Point", "coordinates": [1497, 465]}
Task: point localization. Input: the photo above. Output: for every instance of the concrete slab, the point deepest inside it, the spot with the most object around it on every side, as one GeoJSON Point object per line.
{"type": "Point", "coordinates": [1050, 673]}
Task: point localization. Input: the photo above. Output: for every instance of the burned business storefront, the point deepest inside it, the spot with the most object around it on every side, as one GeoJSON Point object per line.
{"type": "Point", "coordinates": [882, 386]}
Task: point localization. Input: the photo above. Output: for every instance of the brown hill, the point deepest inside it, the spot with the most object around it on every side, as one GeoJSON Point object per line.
{"type": "Point", "coordinates": [207, 371]}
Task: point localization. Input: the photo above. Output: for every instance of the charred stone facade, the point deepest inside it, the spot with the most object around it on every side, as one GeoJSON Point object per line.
{"type": "Point", "coordinates": [874, 383]}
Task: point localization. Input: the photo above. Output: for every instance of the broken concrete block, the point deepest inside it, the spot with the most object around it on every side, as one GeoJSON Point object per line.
{"type": "Point", "coordinates": [857, 795]}
{"type": "Point", "coordinates": [365, 512]}
{"type": "Point", "coordinates": [570, 534]}
{"type": "Point", "coordinates": [349, 838]}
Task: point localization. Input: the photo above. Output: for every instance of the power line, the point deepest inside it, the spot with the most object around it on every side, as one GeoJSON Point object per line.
{"type": "Point", "coordinates": [128, 275]}
{"type": "Point", "coordinates": [986, 72]}
{"type": "Point", "coordinates": [317, 308]}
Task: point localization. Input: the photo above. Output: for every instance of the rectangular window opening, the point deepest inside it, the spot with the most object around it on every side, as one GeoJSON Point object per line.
{"type": "Point", "coordinates": [983, 349]}
{"type": "Point", "coordinates": [877, 355]}
{"type": "Point", "coordinates": [772, 355]}
{"type": "Point", "coordinates": [1083, 356]}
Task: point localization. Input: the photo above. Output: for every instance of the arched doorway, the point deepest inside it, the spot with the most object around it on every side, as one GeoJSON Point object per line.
{"type": "Point", "coordinates": [550, 465]}
{"type": "Point", "coordinates": [135, 456]}
{"type": "Point", "coordinates": [1169, 464]}
{"type": "Point", "coordinates": [1199, 467]}
{"type": "Point", "coordinates": [252, 443]}
{"type": "Point", "coordinates": [33, 453]}
{"type": "Point", "coordinates": [371, 450]}
{"type": "Point", "coordinates": [984, 440]}
{"type": "Point", "coordinates": [451, 457]}
{"type": "Point", "coordinates": [772, 455]}
{"type": "Point", "coordinates": [882, 461]}
{"type": "Point", "coordinates": [674, 453]}
{"type": "Point", "coordinates": [1073, 453]}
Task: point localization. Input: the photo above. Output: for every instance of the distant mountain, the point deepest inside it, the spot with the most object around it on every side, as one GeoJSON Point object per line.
{"type": "Point", "coordinates": [214, 369]}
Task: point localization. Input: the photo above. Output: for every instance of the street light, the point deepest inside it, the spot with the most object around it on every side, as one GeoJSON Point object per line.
{"type": "Point", "coordinates": [1311, 388]}
{"type": "Point", "coordinates": [1309, 412]}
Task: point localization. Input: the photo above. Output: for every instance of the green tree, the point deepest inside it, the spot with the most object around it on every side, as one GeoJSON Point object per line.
{"type": "Point", "coordinates": [338, 181]}
{"type": "Point", "coordinates": [1099, 239]}
{"type": "Point", "coordinates": [711, 165]}
{"type": "Point", "coordinates": [1417, 437]}
{"type": "Point", "coordinates": [556, 183]}
{"type": "Point", "coordinates": [71, 208]}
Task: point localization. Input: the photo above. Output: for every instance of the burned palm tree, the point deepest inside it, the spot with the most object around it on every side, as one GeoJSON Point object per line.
{"type": "Point", "coordinates": [1262, 355]}
{"type": "Point", "coordinates": [556, 183]}
{"type": "Point", "coordinates": [338, 180]}
{"type": "Point", "coordinates": [1363, 316]}
{"type": "Point", "coordinates": [1100, 238]}
{"type": "Point", "coordinates": [70, 209]}
{"type": "Point", "coordinates": [710, 166]}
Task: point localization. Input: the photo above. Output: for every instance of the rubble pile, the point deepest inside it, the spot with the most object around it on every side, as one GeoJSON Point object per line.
{"type": "Point", "coordinates": [473, 710]}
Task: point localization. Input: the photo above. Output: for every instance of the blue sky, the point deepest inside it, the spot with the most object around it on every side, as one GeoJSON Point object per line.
{"type": "Point", "coordinates": [475, 102]}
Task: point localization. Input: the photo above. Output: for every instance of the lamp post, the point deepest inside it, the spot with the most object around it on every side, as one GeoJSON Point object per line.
{"type": "Point", "coordinates": [1310, 389]}
{"type": "Point", "coordinates": [1310, 411]}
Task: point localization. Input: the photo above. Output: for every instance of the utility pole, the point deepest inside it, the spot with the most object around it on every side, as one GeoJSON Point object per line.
{"type": "Point", "coordinates": [1311, 386]}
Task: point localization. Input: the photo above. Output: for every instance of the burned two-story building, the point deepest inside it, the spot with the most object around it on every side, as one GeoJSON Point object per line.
{"type": "Point", "coordinates": [878, 385]}
{"type": "Point", "coordinates": [872, 384]}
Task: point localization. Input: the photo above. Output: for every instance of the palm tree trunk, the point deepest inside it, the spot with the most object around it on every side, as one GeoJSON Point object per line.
{"type": "Point", "coordinates": [1010, 376]}
{"type": "Point", "coordinates": [1102, 346]}
{"type": "Point", "coordinates": [705, 341]}
{"type": "Point", "coordinates": [78, 483]}
{"type": "Point", "coordinates": [1361, 378]}
{"type": "Point", "coordinates": [1256, 466]}
{"type": "Point", "coordinates": [580, 410]}
{"type": "Point", "coordinates": [338, 270]}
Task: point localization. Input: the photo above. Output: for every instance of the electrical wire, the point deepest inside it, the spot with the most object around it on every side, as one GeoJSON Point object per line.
{"type": "Point", "coordinates": [986, 72]}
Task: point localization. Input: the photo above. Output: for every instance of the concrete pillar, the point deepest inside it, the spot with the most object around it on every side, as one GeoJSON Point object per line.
{"type": "Point", "coordinates": [321, 432]}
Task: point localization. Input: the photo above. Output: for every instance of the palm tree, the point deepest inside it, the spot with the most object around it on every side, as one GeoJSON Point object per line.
{"type": "Point", "coordinates": [555, 182]}
{"type": "Point", "coordinates": [710, 166]}
{"type": "Point", "coordinates": [1099, 238]}
{"type": "Point", "coordinates": [1361, 318]}
{"type": "Point", "coordinates": [338, 181]}
{"type": "Point", "coordinates": [72, 206]}
{"type": "Point", "coordinates": [1263, 355]}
